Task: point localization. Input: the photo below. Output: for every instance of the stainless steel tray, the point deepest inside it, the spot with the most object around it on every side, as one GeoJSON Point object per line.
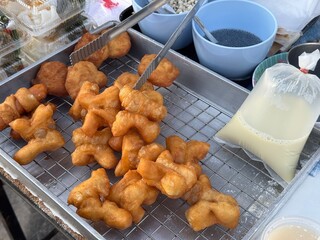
{"type": "Point", "coordinates": [199, 104]}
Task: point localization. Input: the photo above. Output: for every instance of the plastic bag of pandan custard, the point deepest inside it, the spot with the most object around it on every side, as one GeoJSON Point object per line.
{"type": "Point", "coordinates": [273, 123]}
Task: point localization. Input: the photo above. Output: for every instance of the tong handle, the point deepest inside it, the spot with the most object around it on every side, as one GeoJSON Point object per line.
{"type": "Point", "coordinates": [123, 26]}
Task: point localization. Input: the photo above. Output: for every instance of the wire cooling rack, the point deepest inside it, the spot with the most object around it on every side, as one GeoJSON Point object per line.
{"type": "Point", "coordinates": [190, 116]}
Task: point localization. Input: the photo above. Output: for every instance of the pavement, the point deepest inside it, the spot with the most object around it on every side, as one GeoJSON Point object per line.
{"type": "Point", "coordinates": [33, 224]}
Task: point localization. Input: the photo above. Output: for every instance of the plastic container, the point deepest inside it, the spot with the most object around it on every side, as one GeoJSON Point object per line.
{"type": "Point", "coordinates": [11, 37]}
{"type": "Point", "coordinates": [65, 33]}
{"type": "Point", "coordinates": [160, 26]}
{"type": "Point", "coordinates": [13, 63]}
{"type": "Point", "coordinates": [293, 228]}
{"type": "Point", "coordinates": [296, 51]}
{"type": "Point", "coordinates": [39, 17]}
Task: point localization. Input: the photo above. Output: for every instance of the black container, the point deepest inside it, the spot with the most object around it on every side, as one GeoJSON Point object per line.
{"type": "Point", "coordinates": [296, 51]}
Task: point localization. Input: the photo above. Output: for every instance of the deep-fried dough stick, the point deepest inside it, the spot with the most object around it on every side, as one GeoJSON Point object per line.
{"type": "Point", "coordinates": [97, 110]}
{"type": "Point", "coordinates": [87, 91]}
{"type": "Point", "coordinates": [163, 75]}
{"type": "Point", "coordinates": [116, 143]}
{"type": "Point", "coordinates": [81, 72]}
{"type": "Point", "coordinates": [151, 151]}
{"type": "Point", "coordinates": [183, 152]}
{"type": "Point", "coordinates": [95, 148]}
{"type": "Point", "coordinates": [131, 192]}
{"type": "Point", "coordinates": [126, 120]}
{"type": "Point", "coordinates": [189, 153]}
{"type": "Point", "coordinates": [39, 132]}
{"type": "Point", "coordinates": [131, 144]}
{"type": "Point", "coordinates": [97, 186]}
{"type": "Point", "coordinates": [52, 141]}
{"type": "Point", "coordinates": [126, 78]}
{"type": "Point", "coordinates": [210, 206]}
{"type": "Point", "coordinates": [172, 179]}
{"type": "Point", "coordinates": [23, 101]}
{"type": "Point", "coordinates": [97, 118]}
{"type": "Point", "coordinates": [89, 197]}
{"type": "Point", "coordinates": [106, 211]}
{"type": "Point", "coordinates": [41, 120]}
{"type": "Point", "coordinates": [109, 98]}
{"type": "Point", "coordinates": [130, 79]}
{"type": "Point", "coordinates": [119, 46]}
{"type": "Point", "coordinates": [205, 213]}
{"type": "Point", "coordinates": [98, 56]}
{"type": "Point", "coordinates": [138, 102]}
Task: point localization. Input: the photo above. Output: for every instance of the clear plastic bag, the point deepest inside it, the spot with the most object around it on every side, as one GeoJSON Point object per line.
{"type": "Point", "coordinates": [276, 119]}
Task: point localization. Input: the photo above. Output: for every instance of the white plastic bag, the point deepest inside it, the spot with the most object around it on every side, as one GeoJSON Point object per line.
{"type": "Point", "coordinates": [292, 15]}
{"type": "Point", "coordinates": [102, 11]}
{"type": "Point", "coordinates": [276, 119]}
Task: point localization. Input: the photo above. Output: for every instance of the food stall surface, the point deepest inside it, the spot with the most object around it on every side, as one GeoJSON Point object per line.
{"type": "Point", "coordinates": [34, 225]}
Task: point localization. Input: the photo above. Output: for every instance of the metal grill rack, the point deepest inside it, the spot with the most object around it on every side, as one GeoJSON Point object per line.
{"type": "Point", "coordinates": [190, 116]}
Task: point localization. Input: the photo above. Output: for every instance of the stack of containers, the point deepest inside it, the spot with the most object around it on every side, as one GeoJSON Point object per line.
{"type": "Point", "coordinates": [12, 39]}
{"type": "Point", "coordinates": [31, 29]}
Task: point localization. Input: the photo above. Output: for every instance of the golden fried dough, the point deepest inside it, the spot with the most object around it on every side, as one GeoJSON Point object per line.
{"type": "Point", "coordinates": [53, 75]}
{"type": "Point", "coordinates": [98, 118]}
{"type": "Point", "coordinates": [131, 144]}
{"type": "Point", "coordinates": [188, 172]}
{"type": "Point", "coordinates": [138, 102]}
{"type": "Point", "coordinates": [23, 101]}
{"type": "Point", "coordinates": [87, 91]}
{"type": "Point", "coordinates": [205, 213]}
{"type": "Point", "coordinates": [210, 207]}
{"type": "Point", "coordinates": [151, 151]}
{"type": "Point", "coordinates": [81, 72]}
{"type": "Point", "coordinates": [99, 56]}
{"type": "Point", "coordinates": [89, 98]}
{"type": "Point", "coordinates": [107, 211]}
{"type": "Point", "coordinates": [172, 179]}
{"type": "Point", "coordinates": [163, 75]}
{"type": "Point", "coordinates": [96, 110]}
{"type": "Point", "coordinates": [183, 152]}
{"type": "Point", "coordinates": [41, 119]}
{"type": "Point", "coordinates": [89, 197]}
{"type": "Point", "coordinates": [116, 143]}
{"type": "Point", "coordinates": [109, 98]}
{"type": "Point", "coordinates": [39, 132]}
{"type": "Point", "coordinates": [126, 78]}
{"type": "Point", "coordinates": [97, 186]}
{"type": "Point", "coordinates": [131, 192]}
{"type": "Point", "coordinates": [130, 79]}
{"type": "Point", "coordinates": [119, 46]}
{"type": "Point", "coordinates": [126, 120]}
{"type": "Point", "coordinates": [93, 148]}
{"type": "Point", "coordinates": [50, 142]}
{"type": "Point", "coordinates": [168, 181]}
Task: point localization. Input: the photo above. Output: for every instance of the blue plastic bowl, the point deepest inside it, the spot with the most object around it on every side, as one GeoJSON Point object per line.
{"type": "Point", "coordinates": [160, 26]}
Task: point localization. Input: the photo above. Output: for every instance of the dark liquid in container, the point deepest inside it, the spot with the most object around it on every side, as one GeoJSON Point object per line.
{"type": "Point", "coordinates": [235, 38]}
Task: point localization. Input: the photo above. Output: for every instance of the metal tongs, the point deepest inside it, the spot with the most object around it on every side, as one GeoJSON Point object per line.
{"type": "Point", "coordinates": [155, 62]}
{"type": "Point", "coordinates": [123, 26]}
